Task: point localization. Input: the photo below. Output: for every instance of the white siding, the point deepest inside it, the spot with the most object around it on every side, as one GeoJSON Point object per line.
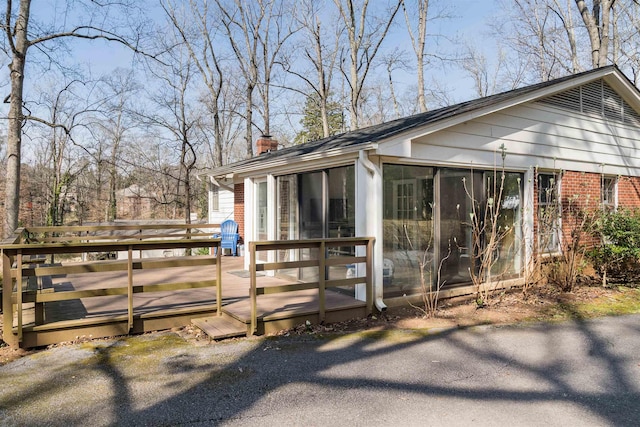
{"type": "Point", "coordinates": [225, 205]}
{"type": "Point", "coordinates": [536, 135]}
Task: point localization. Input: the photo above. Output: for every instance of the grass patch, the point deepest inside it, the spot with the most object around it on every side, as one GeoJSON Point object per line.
{"type": "Point", "coordinates": [624, 301]}
{"type": "Point", "coordinates": [137, 346]}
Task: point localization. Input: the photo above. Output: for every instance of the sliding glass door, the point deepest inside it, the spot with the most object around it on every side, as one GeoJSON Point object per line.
{"type": "Point", "coordinates": [316, 205]}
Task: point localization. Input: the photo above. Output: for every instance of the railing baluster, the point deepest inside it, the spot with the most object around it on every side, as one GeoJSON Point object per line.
{"type": "Point", "coordinates": [130, 286]}
{"type": "Point", "coordinates": [19, 292]}
{"type": "Point", "coordinates": [219, 282]}
{"type": "Point", "coordinates": [252, 290]}
{"type": "Point", "coordinates": [7, 303]}
{"type": "Point", "coordinates": [322, 277]}
{"type": "Point", "coordinates": [369, 276]}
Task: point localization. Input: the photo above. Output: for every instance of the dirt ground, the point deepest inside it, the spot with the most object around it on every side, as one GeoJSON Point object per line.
{"type": "Point", "coordinates": [542, 304]}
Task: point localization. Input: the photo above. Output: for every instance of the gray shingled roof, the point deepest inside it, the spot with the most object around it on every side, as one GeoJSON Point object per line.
{"type": "Point", "coordinates": [388, 129]}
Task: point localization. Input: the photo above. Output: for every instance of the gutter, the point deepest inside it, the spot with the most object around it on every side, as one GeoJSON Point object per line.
{"type": "Point", "coordinates": [256, 165]}
{"type": "Point", "coordinates": [371, 169]}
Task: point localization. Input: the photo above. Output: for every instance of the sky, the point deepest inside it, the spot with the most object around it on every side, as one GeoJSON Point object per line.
{"type": "Point", "coordinates": [468, 22]}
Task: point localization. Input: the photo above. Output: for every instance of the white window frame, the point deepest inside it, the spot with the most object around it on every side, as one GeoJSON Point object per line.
{"type": "Point", "coordinates": [554, 245]}
{"type": "Point", "coordinates": [609, 182]}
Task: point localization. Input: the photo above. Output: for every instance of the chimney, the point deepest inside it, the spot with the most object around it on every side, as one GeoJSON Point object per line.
{"type": "Point", "coordinates": [266, 144]}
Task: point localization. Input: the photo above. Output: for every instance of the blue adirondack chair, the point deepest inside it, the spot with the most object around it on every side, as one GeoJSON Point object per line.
{"type": "Point", "coordinates": [228, 236]}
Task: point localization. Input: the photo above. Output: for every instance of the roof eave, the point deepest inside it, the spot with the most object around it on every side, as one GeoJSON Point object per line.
{"type": "Point", "coordinates": [608, 73]}
{"type": "Point", "coordinates": [282, 162]}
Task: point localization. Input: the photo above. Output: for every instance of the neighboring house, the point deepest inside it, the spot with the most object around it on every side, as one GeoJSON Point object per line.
{"type": "Point", "coordinates": [134, 202]}
{"type": "Point", "coordinates": [407, 182]}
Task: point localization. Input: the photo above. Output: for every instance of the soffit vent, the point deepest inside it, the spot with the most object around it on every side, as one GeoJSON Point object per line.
{"type": "Point", "coordinates": [595, 99]}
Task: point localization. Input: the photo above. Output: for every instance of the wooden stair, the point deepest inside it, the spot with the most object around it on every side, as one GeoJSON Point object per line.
{"type": "Point", "coordinates": [220, 327]}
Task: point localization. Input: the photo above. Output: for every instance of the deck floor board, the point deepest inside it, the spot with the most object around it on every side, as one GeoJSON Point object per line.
{"type": "Point", "coordinates": [235, 293]}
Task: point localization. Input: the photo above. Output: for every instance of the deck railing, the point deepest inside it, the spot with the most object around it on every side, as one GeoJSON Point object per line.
{"type": "Point", "coordinates": [28, 260]}
{"type": "Point", "coordinates": [330, 252]}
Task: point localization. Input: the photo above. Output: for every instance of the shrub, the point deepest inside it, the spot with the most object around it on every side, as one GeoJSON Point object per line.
{"type": "Point", "coordinates": [618, 255]}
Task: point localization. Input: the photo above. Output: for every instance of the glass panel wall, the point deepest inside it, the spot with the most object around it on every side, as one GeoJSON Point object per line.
{"type": "Point", "coordinates": [407, 225]}
{"type": "Point", "coordinates": [428, 220]}
{"type": "Point", "coordinates": [341, 215]}
{"type": "Point", "coordinates": [316, 205]}
{"type": "Point", "coordinates": [459, 190]}
{"type": "Point", "coordinates": [287, 218]}
{"type": "Point", "coordinates": [508, 254]}
{"type": "Point", "coordinates": [261, 216]}
{"type": "Point", "coordinates": [312, 216]}
{"type": "Point", "coordinates": [341, 194]}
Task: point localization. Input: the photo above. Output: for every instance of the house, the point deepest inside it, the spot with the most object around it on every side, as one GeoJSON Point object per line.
{"type": "Point", "coordinates": [134, 202]}
{"type": "Point", "coordinates": [220, 199]}
{"type": "Point", "coordinates": [411, 182]}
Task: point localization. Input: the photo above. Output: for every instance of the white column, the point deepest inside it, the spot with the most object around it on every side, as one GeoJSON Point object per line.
{"type": "Point", "coordinates": [210, 200]}
{"type": "Point", "coordinates": [249, 218]}
{"type": "Point", "coordinates": [272, 226]}
{"type": "Point", "coordinates": [369, 218]}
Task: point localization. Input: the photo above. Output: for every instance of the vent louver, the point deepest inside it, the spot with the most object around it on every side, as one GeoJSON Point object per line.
{"type": "Point", "coordinates": [596, 99]}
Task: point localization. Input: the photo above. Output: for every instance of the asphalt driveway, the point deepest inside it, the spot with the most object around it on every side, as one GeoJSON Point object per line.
{"type": "Point", "coordinates": [577, 373]}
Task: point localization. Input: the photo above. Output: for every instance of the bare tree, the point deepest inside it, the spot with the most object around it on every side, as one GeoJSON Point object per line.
{"type": "Point", "coordinates": [626, 37]}
{"type": "Point", "coordinates": [542, 35]}
{"type": "Point", "coordinates": [597, 21]}
{"type": "Point", "coordinates": [418, 38]}
{"type": "Point", "coordinates": [487, 78]}
{"type": "Point", "coordinates": [242, 23]}
{"type": "Point", "coordinates": [175, 116]}
{"type": "Point", "coordinates": [192, 29]}
{"type": "Point", "coordinates": [365, 35]}
{"type": "Point", "coordinates": [392, 61]}
{"type": "Point", "coordinates": [257, 32]}
{"type": "Point", "coordinates": [278, 29]}
{"type": "Point", "coordinates": [61, 163]}
{"type": "Point", "coordinates": [19, 38]}
{"type": "Point", "coordinates": [320, 50]}
{"type": "Point", "coordinates": [115, 124]}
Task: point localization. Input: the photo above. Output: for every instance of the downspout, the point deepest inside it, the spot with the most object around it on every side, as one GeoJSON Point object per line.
{"type": "Point", "coordinates": [371, 169]}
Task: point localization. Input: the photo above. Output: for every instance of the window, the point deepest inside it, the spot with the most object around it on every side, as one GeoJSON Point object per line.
{"type": "Point", "coordinates": [404, 199]}
{"type": "Point", "coordinates": [548, 221]}
{"type": "Point", "coordinates": [215, 198]}
{"type": "Point", "coordinates": [609, 193]}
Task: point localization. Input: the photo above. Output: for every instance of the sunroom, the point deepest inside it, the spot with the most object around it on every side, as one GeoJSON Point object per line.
{"type": "Point", "coordinates": [426, 186]}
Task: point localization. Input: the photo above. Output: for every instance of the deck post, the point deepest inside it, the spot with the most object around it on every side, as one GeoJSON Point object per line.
{"type": "Point", "coordinates": [130, 286]}
{"type": "Point", "coordinates": [219, 282]}
{"type": "Point", "coordinates": [19, 291]}
{"type": "Point", "coordinates": [7, 303]}
{"type": "Point", "coordinates": [252, 289]}
{"type": "Point", "coordinates": [369, 275]}
{"type": "Point", "coordinates": [322, 277]}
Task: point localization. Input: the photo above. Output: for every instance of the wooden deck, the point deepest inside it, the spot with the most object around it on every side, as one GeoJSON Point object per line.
{"type": "Point", "coordinates": [73, 299]}
{"type": "Point", "coordinates": [178, 308]}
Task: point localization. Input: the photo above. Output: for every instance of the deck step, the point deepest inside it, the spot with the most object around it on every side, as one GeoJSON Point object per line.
{"type": "Point", "coordinates": [219, 327]}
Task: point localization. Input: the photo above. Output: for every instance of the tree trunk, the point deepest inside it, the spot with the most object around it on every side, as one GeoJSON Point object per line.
{"type": "Point", "coordinates": [418, 42]}
{"type": "Point", "coordinates": [16, 118]}
{"type": "Point", "coordinates": [249, 135]}
{"type": "Point", "coordinates": [112, 208]}
{"type": "Point", "coordinates": [597, 23]}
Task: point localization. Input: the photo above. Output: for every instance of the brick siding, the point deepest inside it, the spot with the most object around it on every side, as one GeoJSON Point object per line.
{"type": "Point", "coordinates": [629, 192]}
{"type": "Point", "coordinates": [238, 208]}
{"type": "Point", "coordinates": [581, 194]}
